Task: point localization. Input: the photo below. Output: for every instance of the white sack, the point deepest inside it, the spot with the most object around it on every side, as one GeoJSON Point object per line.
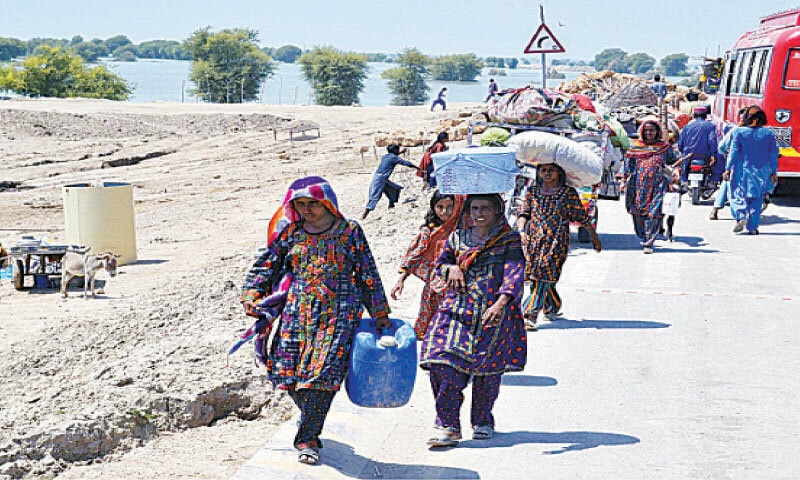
{"type": "Point", "coordinates": [582, 166]}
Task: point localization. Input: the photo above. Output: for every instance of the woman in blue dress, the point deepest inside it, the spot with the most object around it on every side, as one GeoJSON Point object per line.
{"type": "Point", "coordinates": [752, 169]}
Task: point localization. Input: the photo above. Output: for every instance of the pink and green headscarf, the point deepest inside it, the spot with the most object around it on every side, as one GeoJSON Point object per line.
{"type": "Point", "coordinates": [309, 187]}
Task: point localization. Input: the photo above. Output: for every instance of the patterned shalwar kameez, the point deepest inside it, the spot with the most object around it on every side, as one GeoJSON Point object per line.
{"type": "Point", "coordinates": [458, 346]}
{"type": "Point", "coordinates": [646, 185]}
{"type": "Point", "coordinates": [334, 275]}
{"type": "Point", "coordinates": [417, 264]}
{"type": "Point", "coordinates": [547, 228]}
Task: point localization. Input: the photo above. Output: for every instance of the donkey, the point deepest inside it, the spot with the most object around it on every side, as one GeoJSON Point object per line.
{"type": "Point", "coordinates": [84, 265]}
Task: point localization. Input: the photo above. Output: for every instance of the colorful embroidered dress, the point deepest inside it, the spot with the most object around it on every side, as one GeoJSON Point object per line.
{"type": "Point", "coordinates": [644, 166]}
{"type": "Point", "coordinates": [549, 217]}
{"type": "Point", "coordinates": [334, 274]}
{"type": "Point", "coordinates": [457, 337]}
{"type": "Point", "coordinates": [419, 261]}
{"type": "Point", "coordinates": [646, 184]}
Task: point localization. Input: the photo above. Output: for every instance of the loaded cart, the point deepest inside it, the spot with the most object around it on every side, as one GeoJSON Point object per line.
{"type": "Point", "coordinates": [41, 262]}
{"type": "Point", "coordinates": [587, 157]}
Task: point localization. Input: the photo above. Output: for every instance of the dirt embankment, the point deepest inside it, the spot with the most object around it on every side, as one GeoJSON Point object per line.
{"type": "Point", "coordinates": [87, 380]}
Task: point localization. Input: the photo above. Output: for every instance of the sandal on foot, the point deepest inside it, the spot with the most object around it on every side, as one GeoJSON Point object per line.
{"type": "Point", "coordinates": [309, 456]}
{"type": "Point", "coordinates": [483, 432]}
{"type": "Point", "coordinates": [530, 326]}
{"type": "Point", "coordinates": [444, 438]}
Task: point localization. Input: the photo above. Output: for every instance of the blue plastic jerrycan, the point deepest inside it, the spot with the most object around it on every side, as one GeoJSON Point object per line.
{"type": "Point", "coordinates": [383, 366]}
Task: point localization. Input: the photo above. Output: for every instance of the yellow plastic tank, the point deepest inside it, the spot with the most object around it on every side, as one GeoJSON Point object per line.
{"type": "Point", "coordinates": [100, 215]}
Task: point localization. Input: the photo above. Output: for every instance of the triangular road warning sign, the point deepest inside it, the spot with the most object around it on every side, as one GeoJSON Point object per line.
{"type": "Point", "coordinates": [543, 41]}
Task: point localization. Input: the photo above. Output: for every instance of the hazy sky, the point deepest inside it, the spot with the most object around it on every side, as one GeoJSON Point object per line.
{"type": "Point", "coordinates": [499, 28]}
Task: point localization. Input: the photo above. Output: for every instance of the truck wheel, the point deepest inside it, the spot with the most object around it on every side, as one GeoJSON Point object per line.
{"type": "Point", "coordinates": [695, 195]}
{"type": "Point", "coordinates": [17, 276]}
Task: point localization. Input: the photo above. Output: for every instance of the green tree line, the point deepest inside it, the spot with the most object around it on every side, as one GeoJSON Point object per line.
{"type": "Point", "coordinates": [618, 60]}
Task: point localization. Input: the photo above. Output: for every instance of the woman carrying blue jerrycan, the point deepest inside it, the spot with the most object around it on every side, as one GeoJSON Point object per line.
{"type": "Point", "coordinates": [321, 266]}
{"type": "Point", "coordinates": [478, 332]}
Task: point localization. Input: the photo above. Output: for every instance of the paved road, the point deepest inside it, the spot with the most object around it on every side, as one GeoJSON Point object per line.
{"type": "Point", "coordinates": [680, 364]}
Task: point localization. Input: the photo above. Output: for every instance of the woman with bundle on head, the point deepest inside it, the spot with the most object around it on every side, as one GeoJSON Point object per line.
{"type": "Point", "coordinates": [440, 221]}
{"type": "Point", "coordinates": [332, 277]}
{"type": "Point", "coordinates": [646, 182]}
{"type": "Point", "coordinates": [477, 333]}
{"type": "Point", "coordinates": [752, 169]}
{"type": "Point", "coordinates": [543, 224]}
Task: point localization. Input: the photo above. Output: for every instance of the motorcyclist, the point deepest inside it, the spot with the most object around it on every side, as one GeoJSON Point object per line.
{"type": "Point", "coordinates": [698, 140]}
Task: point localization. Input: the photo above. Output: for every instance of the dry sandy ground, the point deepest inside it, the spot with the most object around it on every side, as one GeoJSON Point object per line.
{"type": "Point", "coordinates": [134, 384]}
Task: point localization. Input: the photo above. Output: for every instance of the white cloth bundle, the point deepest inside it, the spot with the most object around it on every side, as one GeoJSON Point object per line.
{"type": "Point", "coordinates": [582, 166]}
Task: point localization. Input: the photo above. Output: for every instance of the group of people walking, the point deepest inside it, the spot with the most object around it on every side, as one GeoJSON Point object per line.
{"type": "Point", "coordinates": [470, 324]}
{"type": "Point", "coordinates": [745, 162]}
{"type": "Point", "coordinates": [318, 274]}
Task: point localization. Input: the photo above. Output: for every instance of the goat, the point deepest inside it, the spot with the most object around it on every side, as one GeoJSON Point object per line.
{"type": "Point", "coordinates": [84, 265]}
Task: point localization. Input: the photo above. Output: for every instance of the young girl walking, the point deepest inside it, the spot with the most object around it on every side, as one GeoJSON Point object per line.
{"type": "Point", "coordinates": [440, 221]}
{"type": "Point", "coordinates": [543, 224]}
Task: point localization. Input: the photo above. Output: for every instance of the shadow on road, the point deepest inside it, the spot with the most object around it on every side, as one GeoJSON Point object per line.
{"type": "Point", "coordinates": [573, 441]}
{"type": "Point", "coordinates": [147, 262]}
{"type": "Point", "coordinates": [625, 241]}
{"type": "Point", "coordinates": [343, 458]}
{"type": "Point", "coordinates": [601, 324]}
{"type": "Point", "coordinates": [776, 220]}
{"type": "Point", "coordinates": [528, 381]}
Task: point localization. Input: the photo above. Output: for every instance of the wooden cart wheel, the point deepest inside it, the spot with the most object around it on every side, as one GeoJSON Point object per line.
{"type": "Point", "coordinates": [17, 276]}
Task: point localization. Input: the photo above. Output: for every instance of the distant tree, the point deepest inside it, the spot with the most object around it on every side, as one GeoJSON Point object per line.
{"type": "Point", "coordinates": [556, 62]}
{"type": "Point", "coordinates": [675, 64]}
{"type": "Point", "coordinates": [11, 48]}
{"type": "Point", "coordinates": [162, 49]}
{"type": "Point", "coordinates": [376, 57]}
{"type": "Point", "coordinates": [494, 62]}
{"type": "Point", "coordinates": [640, 63]}
{"type": "Point", "coordinates": [99, 82]}
{"type": "Point", "coordinates": [611, 59]}
{"type": "Point", "coordinates": [58, 73]}
{"type": "Point", "coordinates": [117, 41]}
{"type": "Point", "coordinates": [408, 82]}
{"type": "Point", "coordinates": [456, 68]}
{"type": "Point", "coordinates": [76, 40]}
{"type": "Point", "coordinates": [336, 77]}
{"type": "Point", "coordinates": [227, 67]}
{"type": "Point", "coordinates": [89, 51]}
{"type": "Point", "coordinates": [127, 50]}
{"type": "Point", "coordinates": [512, 63]}
{"type": "Point", "coordinates": [35, 43]}
{"type": "Point", "coordinates": [124, 56]}
{"type": "Point", "coordinates": [287, 54]}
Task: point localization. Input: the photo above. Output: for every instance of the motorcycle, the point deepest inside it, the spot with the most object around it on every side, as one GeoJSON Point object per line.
{"type": "Point", "coordinates": [699, 176]}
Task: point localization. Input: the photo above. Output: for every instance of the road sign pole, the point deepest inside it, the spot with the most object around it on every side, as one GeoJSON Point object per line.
{"type": "Point", "coordinates": [544, 72]}
{"type": "Point", "coordinates": [544, 62]}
